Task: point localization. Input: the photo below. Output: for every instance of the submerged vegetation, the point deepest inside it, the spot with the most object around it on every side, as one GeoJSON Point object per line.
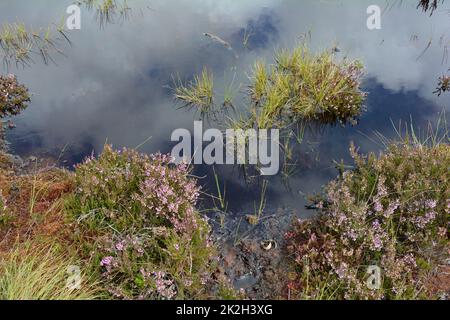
{"type": "Point", "coordinates": [392, 212]}
{"type": "Point", "coordinates": [107, 10]}
{"type": "Point", "coordinates": [429, 5]}
{"type": "Point", "coordinates": [300, 90]}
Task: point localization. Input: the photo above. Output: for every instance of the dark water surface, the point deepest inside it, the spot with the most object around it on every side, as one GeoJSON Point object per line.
{"type": "Point", "coordinates": [113, 84]}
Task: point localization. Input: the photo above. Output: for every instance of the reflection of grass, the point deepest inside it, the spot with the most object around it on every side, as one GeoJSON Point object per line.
{"type": "Point", "coordinates": [429, 5]}
{"type": "Point", "coordinates": [198, 93]}
{"type": "Point", "coordinates": [108, 10]}
{"type": "Point", "coordinates": [229, 93]}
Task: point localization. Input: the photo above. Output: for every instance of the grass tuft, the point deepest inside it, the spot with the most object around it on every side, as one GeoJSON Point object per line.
{"type": "Point", "coordinates": [40, 272]}
{"type": "Point", "coordinates": [198, 93]}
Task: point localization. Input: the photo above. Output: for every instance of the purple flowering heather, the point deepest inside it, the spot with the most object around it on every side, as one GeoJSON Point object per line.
{"type": "Point", "coordinates": [147, 207]}
{"type": "Point", "coordinates": [396, 203]}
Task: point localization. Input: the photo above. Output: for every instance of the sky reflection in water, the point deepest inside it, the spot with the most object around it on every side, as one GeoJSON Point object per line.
{"type": "Point", "coordinates": [113, 84]}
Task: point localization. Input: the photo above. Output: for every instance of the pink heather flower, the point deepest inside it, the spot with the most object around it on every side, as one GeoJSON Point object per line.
{"type": "Point", "coordinates": [378, 206]}
{"type": "Point", "coordinates": [409, 260]}
{"type": "Point", "coordinates": [431, 204]}
{"type": "Point", "coordinates": [106, 261]}
{"type": "Point", "coordinates": [120, 246]}
{"type": "Point", "coordinates": [377, 243]}
{"type": "Point", "coordinates": [352, 235]}
{"type": "Point", "coordinates": [376, 225]}
{"type": "Point", "coordinates": [342, 270]}
{"type": "Point", "coordinates": [391, 209]}
{"type": "Point", "coordinates": [164, 286]}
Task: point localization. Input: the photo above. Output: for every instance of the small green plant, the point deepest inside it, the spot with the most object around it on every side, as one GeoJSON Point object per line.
{"type": "Point", "coordinates": [198, 93]}
{"type": "Point", "coordinates": [259, 210]}
{"type": "Point", "coordinates": [221, 195]}
{"type": "Point", "coordinates": [300, 86]}
{"type": "Point", "coordinates": [33, 271]}
{"type": "Point", "coordinates": [300, 90]}
{"type": "Point", "coordinates": [305, 86]}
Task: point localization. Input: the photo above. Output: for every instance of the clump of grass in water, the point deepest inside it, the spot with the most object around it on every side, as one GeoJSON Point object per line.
{"type": "Point", "coordinates": [304, 86]}
{"type": "Point", "coordinates": [198, 93]}
{"type": "Point", "coordinates": [19, 43]}
{"type": "Point", "coordinates": [221, 195]}
{"type": "Point", "coordinates": [301, 89]}
{"type": "Point", "coordinates": [300, 86]}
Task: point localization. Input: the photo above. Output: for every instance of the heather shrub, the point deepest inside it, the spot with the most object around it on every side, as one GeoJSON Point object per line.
{"type": "Point", "coordinates": [391, 211]}
{"type": "Point", "coordinates": [139, 212]}
{"type": "Point", "coordinates": [14, 97]}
